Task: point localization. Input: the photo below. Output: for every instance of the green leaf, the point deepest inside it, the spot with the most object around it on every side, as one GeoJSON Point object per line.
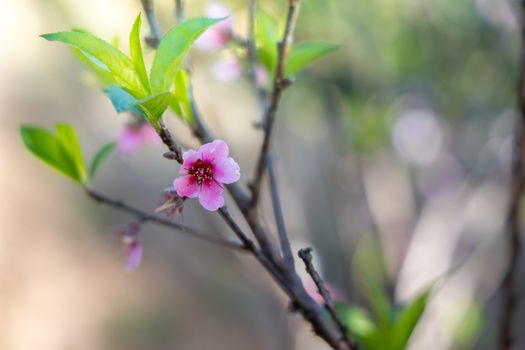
{"type": "Point", "coordinates": [406, 319]}
{"type": "Point", "coordinates": [305, 53]}
{"type": "Point", "coordinates": [61, 152]}
{"type": "Point", "coordinates": [121, 67]}
{"type": "Point", "coordinates": [361, 326]}
{"type": "Point", "coordinates": [123, 101]}
{"type": "Point", "coordinates": [98, 68]}
{"type": "Point", "coordinates": [180, 102]}
{"type": "Point", "coordinates": [135, 48]}
{"type": "Point", "coordinates": [266, 39]}
{"type": "Point", "coordinates": [67, 137]}
{"type": "Point", "coordinates": [154, 106]}
{"type": "Point", "coordinates": [172, 50]}
{"type": "Point", "coordinates": [101, 155]}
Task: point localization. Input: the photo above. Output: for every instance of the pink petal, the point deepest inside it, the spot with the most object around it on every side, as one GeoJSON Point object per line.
{"type": "Point", "coordinates": [186, 186]}
{"type": "Point", "coordinates": [226, 171]}
{"type": "Point", "coordinates": [148, 133]}
{"type": "Point", "coordinates": [227, 69]}
{"type": "Point", "coordinates": [134, 256]}
{"type": "Point", "coordinates": [189, 158]}
{"type": "Point", "coordinates": [210, 196]}
{"type": "Point", "coordinates": [129, 140]}
{"type": "Point", "coordinates": [210, 40]}
{"type": "Point", "coordinates": [214, 151]}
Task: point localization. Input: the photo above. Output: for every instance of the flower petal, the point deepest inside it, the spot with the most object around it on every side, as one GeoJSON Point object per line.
{"type": "Point", "coordinates": [149, 134]}
{"type": "Point", "coordinates": [226, 171]}
{"type": "Point", "coordinates": [189, 158]}
{"type": "Point", "coordinates": [210, 196]}
{"type": "Point", "coordinates": [134, 256]}
{"type": "Point", "coordinates": [186, 186]}
{"type": "Point", "coordinates": [214, 151]}
{"type": "Point", "coordinates": [129, 139]}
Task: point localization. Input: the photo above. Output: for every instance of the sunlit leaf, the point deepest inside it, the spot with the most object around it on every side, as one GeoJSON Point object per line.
{"type": "Point", "coordinates": [60, 151]}
{"type": "Point", "coordinates": [266, 38]}
{"type": "Point", "coordinates": [180, 102]}
{"type": "Point", "coordinates": [95, 66]}
{"type": "Point", "coordinates": [123, 101]}
{"type": "Point", "coordinates": [120, 66]}
{"type": "Point", "coordinates": [172, 50]}
{"type": "Point", "coordinates": [154, 106]}
{"type": "Point", "coordinates": [305, 53]}
{"type": "Point", "coordinates": [135, 48]}
{"type": "Point", "coordinates": [67, 137]}
{"type": "Point", "coordinates": [99, 158]}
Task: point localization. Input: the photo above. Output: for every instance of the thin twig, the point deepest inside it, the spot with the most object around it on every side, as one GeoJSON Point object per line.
{"type": "Point", "coordinates": [251, 54]}
{"type": "Point", "coordinates": [156, 35]}
{"type": "Point", "coordinates": [278, 213]}
{"type": "Point", "coordinates": [280, 83]}
{"type": "Point", "coordinates": [143, 217]}
{"type": "Point", "coordinates": [179, 11]}
{"type": "Point", "coordinates": [166, 137]}
{"type": "Point", "coordinates": [517, 187]}
{"type": "Point", "coordinates": [306, 255]}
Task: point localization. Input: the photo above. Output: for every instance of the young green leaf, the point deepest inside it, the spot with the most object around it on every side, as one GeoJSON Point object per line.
{"type": "Point", "coordinates": [123, 101]}
{"type": "Point", "coordinates": [135, 48]}
{"type": "Point", "coordinates": [99, 158]}
{"type": "Point", "coordinates": [172, 50]}
{"type": "Point", "coordinates": [61, 152]}
{"type": "Point", "coordinates": [180, 102]}
{"type": "Point", "coordinates": [406, 319]}
{"type": "Point", "coordinates": [361, 326]}
{"type": "Point", "coordinates": [266, 39]}
{"type": "Point", "coordinates": [121, 67]}
{"type": "Point", "coordinates": [154, 106]}
{"type": "Point", "coordinates": [97, 68]}
{"type": "Point", "coordinates": [67, 137]}
{"type": "Point", "coordinates": [305, 53]}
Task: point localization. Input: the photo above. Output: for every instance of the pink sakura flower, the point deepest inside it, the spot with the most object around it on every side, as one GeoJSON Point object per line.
{"type": "Point", "coordinates": [204, 172]}
{"type": "Point", "coordinates": [129, 237]}
{"type": "Point", "coordinates": [227, 69]}
{"type": "Point", "coordinates": [134, 135]}
{"type": "Point", "coordinates": [220, 34]}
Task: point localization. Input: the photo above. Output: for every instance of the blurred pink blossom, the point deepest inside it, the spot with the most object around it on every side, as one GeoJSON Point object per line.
{"type": "Point", "coordinates": [204, 172]}
{"type": "Point", "coordinates": [129, 237]}
{"type": "Point", "coordinates": [220, 34]}
{"type": "Point", "coordinates": [227, 69]}
{"type": "Point", "coordinates": [134, 135]}
{"type": "Point", "coordinates": [261, 76]}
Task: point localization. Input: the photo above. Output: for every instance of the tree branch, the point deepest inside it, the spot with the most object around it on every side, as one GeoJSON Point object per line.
{"type": "Point", "coordinates": [146, 217]}
{"type": "Point", "coordinates": [306, 256]}
{"type": "Point", "coordinates": [251, 54]}
{"type": "Point", "coordinates": [278, 213]}
{"type": "Point", "coordinates": [156, 35]}
{"type": "Point", "coordinates": [279, 85]}
{"type": "Point", "coordinates": [179, 11]}
{"type": "Point", "coordinates": [513, 224]}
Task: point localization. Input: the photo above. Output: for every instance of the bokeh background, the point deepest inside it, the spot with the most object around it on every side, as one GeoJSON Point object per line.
{"type": "Point", "coordinates": [401, 137]}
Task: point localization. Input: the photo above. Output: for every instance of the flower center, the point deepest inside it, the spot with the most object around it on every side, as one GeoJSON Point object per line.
{"type": "Point", "coordinates": [202, 171]}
